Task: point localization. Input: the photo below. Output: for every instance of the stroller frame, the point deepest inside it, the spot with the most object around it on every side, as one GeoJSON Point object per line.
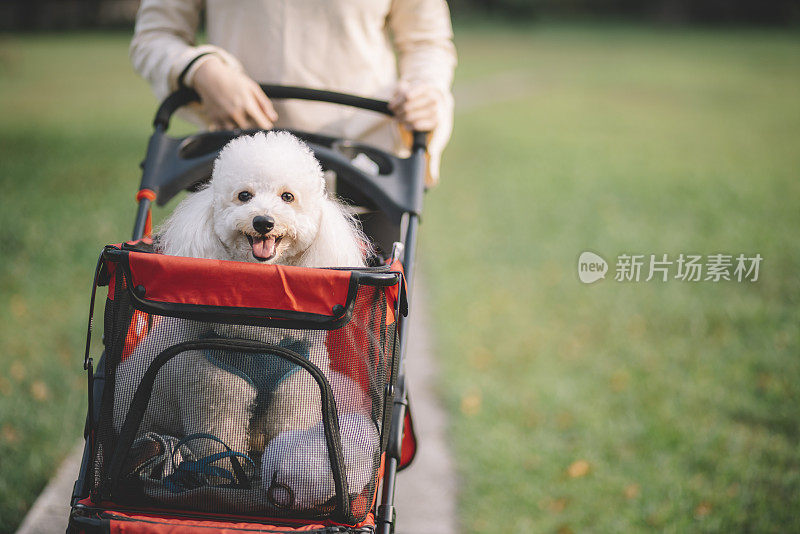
{"type": "Point", "coordinates": [175, 164]}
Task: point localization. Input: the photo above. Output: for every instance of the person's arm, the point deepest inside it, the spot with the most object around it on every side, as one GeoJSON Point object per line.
{"type": "Point", "coordinates": [164, 52]}
{"type": "Point", "coordinates": [423, 37]}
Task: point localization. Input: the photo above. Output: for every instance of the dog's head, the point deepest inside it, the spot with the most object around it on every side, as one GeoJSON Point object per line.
{"type": "Point", "coordinates": [268, 193]}
{"type": "Point", "coordinates": [266, 203]}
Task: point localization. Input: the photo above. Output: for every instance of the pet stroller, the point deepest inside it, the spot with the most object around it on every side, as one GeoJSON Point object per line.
{"type": "Point", "coordinates": [338, 475]}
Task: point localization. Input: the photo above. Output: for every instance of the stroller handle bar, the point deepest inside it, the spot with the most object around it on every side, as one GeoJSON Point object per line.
{"type": "Point", "coordinates": [185, 95]}
{"type": "Point", "coordinates": [174, 164]}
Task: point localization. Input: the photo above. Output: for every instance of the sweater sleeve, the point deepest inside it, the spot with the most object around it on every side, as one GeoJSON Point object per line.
{"type": "Point", "coordinates": [423, 38]}
{"type": "Point", "coordinates": [164, 44]}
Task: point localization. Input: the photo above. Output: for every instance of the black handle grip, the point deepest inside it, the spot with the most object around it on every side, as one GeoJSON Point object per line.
{"type": "Point", "coordinates": [171, 104]}
{"type": "Point", "coordinates": [185, 95]}
{"type": "Point", "coordinates": [319, 95]}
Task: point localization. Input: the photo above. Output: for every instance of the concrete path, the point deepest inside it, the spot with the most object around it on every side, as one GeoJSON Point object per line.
{"type": "Point", "coordinates": [425, 495]}
{"type": "Point", "coordinates": [426, 490]}
{"type": "Point", "coordinates": [50, 512]}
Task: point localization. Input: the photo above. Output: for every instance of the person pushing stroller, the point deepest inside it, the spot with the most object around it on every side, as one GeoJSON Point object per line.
{"type": "Point", "coordinates": [400, 50]}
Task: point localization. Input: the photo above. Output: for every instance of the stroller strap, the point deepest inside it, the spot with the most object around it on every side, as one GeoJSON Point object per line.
{"type": "Point", "coordinates": [190, 474]}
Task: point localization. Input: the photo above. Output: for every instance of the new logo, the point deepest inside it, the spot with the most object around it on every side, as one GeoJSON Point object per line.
{"type": "Point", "coordinates": [591, 267]}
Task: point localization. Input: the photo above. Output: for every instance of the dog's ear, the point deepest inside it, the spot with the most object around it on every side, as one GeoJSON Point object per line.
{"type": "Point", "coordinates": [339, 241]}
{"type": "Point", "coordinates": [189, 231]}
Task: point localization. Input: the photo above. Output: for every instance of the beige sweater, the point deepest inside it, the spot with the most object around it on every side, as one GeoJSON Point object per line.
{"type": "Point", "coordinates": [361, 47]}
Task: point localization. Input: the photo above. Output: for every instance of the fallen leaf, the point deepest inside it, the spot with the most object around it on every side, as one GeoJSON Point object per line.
{"type": "Point", "coordinates": [555, 506]}
{"type": "Point", "coordinates": [658, 518]}
{"type": "Point", "coordinates": [564, 529]}
{"type": "Point", "coordinates": [64, 354]}
{"type": "Point", "coordinates": [579, 468]}
{"type": "Point", "coordinates": [532, 419]}
{"type": "Point", "coordinates": [471, 403]}
{"type": "Point", "coordinates": [632, 491]}
{"type": "Point", "coordinates": [637, 326]}
{"type": "Point", "coordinates": [764, 381]}
{"type": "Point", "coordinates": [19, 308]}
{"type": "Point", "coordinates": [564, 420]}
{"type": "Point", "coordinates": [703, 509]}
{"type": "Point", "coordinates": [531, 462]}
{"type": "Point", "coordinates": [17, 371]}
{"type": "Point", "coordinates": [40, 391]}
{"type": "Point", "coordinates": [620, 380]}
{"type": "Point", "coordinates": [481, 358]}
{"type": "Point", "coordinates": [5, 386]}
{"type": "Point", "coordinates": [9, 434]}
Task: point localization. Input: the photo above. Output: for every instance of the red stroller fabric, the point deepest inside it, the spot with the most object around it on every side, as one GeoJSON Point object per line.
{"type": "Point", "coordinates": [357, 308]}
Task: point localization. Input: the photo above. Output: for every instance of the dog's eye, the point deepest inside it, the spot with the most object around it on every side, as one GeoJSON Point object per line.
{"type": "Point", "coordinates": [287, 197]}
{"type": "Point", "coordinates": [244, 196]}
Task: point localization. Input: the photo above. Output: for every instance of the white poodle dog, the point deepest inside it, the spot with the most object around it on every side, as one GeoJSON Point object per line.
{"type": "Point", "coordinates": [267, 203]}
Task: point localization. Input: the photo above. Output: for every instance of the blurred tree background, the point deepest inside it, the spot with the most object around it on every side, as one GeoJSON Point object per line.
{"type": "Point", "coordinates": [71, 14]}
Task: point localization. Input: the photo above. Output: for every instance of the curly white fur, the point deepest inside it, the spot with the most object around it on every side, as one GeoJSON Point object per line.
{"type": "Point", "coordinates": [311, 230]}
{"type": "Point", "coordinates": [191, 394]}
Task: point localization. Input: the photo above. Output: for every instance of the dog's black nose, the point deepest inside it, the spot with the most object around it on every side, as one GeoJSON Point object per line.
{"type": "Point", "coordinates": [262, 224]}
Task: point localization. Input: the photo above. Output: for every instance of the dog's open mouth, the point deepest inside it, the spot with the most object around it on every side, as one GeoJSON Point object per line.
{"type": "Point", "coordinates": [264, 246]}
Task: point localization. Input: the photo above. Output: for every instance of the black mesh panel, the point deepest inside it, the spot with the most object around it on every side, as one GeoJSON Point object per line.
{"type": "Point", "coordinates": [237, 419]}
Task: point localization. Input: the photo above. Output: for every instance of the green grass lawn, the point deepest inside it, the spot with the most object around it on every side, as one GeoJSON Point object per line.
{"type": "Point", "coordinates": [603, 408]}
{"type": "Point", "coordinates": [620, 407]}
{"type": "Point", "coordinates": [74, 121]}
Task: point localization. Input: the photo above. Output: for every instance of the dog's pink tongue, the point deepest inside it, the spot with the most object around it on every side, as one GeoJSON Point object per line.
{"type": "Point", "coordinates": [264, 247]}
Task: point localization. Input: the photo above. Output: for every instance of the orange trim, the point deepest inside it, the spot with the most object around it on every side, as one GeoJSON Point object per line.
{"type": "Point", "coordinates": [141, 324]}
{"type": "Point", "coordinates": [160, 521]}
{"type": "Point", "coordinates": [149, 194]}
{"type": "Point", "coordinates": [148, 224]}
